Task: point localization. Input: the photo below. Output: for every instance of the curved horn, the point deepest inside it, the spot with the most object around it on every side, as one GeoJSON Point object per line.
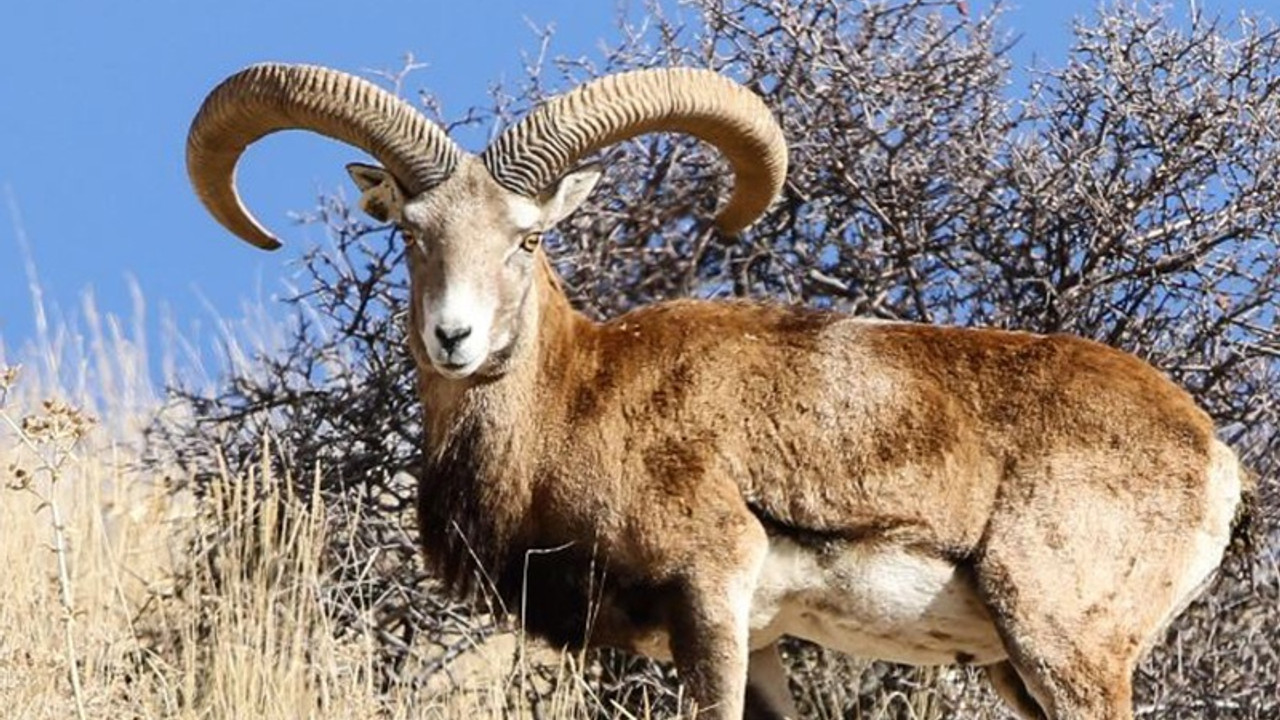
{"type": "Point", "coordinates": [532, 154]}
{"type": "Point", "coordinates": [262, 99]}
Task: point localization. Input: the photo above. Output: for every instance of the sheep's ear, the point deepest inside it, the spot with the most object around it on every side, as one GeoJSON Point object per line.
{"type": "Point", "coordinates": [569, 193]}
{"type": "Point", "coordinates": [381, 196]}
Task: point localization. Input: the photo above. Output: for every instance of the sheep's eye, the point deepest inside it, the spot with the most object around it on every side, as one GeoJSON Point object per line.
{"type": "Point", "coordinates": [411, 238]}
{"type": "Point", "coordinates": [530, 241]}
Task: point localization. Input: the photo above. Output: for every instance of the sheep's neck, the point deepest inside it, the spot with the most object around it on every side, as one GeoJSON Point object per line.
{"type": "Point", "coordinates": [476, 494]}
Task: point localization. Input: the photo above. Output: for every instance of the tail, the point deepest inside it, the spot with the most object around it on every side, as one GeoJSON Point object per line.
{"type": "Point", "coordinates": [1246, 530]}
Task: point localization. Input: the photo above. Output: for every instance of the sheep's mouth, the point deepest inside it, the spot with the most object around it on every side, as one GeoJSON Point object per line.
{"type": "Point", "coordinates": [457, 370]}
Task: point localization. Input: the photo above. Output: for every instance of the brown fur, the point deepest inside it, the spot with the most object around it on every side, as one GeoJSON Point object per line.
{"type": "Point", "coordinates": [628, 483]}
{"type": "Point", "coordinates": [648, 447]}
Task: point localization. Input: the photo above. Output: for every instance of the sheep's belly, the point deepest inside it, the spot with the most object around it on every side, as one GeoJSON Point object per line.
{"type": "Point", "coordinates": [874, 602]}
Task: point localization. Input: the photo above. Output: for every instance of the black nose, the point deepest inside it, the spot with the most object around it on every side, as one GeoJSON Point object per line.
{"type": "Point", "coordinates": [450, 337]}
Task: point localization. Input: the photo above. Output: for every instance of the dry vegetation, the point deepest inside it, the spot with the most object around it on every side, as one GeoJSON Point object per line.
{"type": "Point", "coordinates": [242, 546]}
{"type": "Point", "coordinates": [109, 607]}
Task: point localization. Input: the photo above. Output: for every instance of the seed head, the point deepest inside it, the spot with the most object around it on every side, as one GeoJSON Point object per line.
{"type": "Point", "coordinates": [57, 421]}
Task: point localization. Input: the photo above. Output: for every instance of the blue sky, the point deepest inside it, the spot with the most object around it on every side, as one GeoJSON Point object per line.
{"type": "Point", "coordinates": [97, 97]}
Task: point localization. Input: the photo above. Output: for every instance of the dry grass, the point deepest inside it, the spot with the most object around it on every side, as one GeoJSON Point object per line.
{"type": "Point", "coordinates": [67, 484]}
{"type": "Point", "coordinates": [122, 623]}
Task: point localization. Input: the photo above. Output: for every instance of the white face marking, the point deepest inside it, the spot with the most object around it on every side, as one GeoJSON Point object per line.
{"type": "Point", "coordinates": [456, 329]}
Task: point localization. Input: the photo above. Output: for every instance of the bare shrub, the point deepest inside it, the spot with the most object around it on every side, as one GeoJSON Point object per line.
{"type": "Point", "coordinates": [1131, 195]}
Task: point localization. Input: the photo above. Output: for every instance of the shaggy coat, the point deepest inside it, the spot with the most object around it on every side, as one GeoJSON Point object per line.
{"type": "Point", "coordinates": [665, 437]}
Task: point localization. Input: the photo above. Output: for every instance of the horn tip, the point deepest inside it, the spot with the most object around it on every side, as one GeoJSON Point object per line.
{"type": "Point", "coordinates": [730, 226]}
{"type": "Point", "coordinates": [266, 242]}
{"type": "Point", "coordinates": [259, 239]}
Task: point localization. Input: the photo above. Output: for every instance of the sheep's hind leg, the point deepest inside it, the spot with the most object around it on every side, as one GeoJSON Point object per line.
{"type": "Point", "coordinates": [1009, 686]}
{"type": "Point", "coordinates": [768, 693]}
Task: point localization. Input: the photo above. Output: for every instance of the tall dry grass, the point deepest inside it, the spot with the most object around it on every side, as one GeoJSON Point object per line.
{"type": "Point", "coordinates": [105, 612]}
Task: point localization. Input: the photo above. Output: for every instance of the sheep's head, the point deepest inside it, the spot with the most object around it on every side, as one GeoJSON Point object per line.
{"type": "Point", "coordinates": [473, 223]}
{"type": "Point", "coordinates": [472, 249]}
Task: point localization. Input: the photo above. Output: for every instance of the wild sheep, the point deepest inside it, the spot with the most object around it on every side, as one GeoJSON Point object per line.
{"type": "Point", "coordinates": [713, 476]}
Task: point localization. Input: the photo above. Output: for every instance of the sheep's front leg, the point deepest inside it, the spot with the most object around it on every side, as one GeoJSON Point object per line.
{"type": "Point", "coordinates": [710, 628]}
{"type": "Point", "coordinates": [709, 646]}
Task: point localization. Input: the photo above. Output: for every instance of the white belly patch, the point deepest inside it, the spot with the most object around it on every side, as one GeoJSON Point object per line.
{"type": "Point", "coordinates": [879, 602]}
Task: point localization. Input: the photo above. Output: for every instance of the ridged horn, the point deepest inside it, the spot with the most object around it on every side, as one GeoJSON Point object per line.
{"type": "Point", "coordinates": [533, 153]}
{"type": "Point", "coordinates": [263, 99]}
